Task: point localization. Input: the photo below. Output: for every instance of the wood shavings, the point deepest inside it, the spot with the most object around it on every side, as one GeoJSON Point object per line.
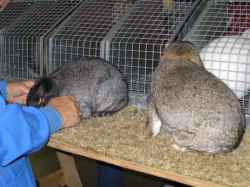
{"type": "Point", "coordinates": [122, 136]}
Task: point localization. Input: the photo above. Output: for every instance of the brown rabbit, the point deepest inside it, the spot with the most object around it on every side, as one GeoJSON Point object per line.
{"type": "Point", "coordinates": [198, 110]}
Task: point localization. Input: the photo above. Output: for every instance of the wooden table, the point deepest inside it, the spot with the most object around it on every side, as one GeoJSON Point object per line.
{"type": "Point", "coordinates": [120, 140]}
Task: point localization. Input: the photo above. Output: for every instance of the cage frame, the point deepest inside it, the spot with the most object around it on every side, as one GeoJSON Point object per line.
{"type": "Point", "coordinates": [13, 15]}
{"type": "Point", "coordinates": [103, 46]}
{"type": "Point", "coordinates": [42, 50]}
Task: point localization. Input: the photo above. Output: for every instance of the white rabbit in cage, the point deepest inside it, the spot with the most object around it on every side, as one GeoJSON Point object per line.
{"type": "Point", "coordinates": [228, 58]}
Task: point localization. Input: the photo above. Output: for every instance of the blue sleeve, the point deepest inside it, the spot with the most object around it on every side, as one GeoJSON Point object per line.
{"type": "Point", "coordinates": [3, 88]}
{"type": "Point", "coordinates": [24, 130]}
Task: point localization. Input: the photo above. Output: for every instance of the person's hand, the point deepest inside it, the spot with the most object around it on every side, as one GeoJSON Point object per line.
{"type": "Point", "coordinates": [3, 4]}
{"type": "Point", "coordinates": [68, 108]}
{"type": "Point", "coordinates": [17, 91]}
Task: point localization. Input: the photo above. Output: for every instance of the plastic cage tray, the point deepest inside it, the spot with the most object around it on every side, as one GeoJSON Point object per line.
{"type": "Point", "coordinates": [136, 46]}
{"type": "Point", "coordinates": [224, 19]}
{"type": "Point", "coordinates": [82, 33]}
{"type": "Point", "coordinates": [24, 41]}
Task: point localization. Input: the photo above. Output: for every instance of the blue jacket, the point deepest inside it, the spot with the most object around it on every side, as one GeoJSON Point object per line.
{"type": "Point", "coordinates": [23, 130]}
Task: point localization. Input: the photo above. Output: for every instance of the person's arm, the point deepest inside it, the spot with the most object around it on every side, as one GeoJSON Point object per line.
{"type": "Point", "coordinates": [24, 129]}
{"type": "Point", "coordinates": [3, 88]}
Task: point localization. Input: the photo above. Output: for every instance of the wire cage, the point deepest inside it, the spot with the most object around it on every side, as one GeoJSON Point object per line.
{"type": "Point", "coordinates": [24, 41]}
{"type": "Point", "coordinates": [12, 11]}
{"type": "Point", "coordinates": [7, 16]}
{"type": "Point", "coordinates": [83, 32]}
{"type": "Point", "coordinates": [222, 33]}
{"type": "Point", "coordinates": [136, 45]}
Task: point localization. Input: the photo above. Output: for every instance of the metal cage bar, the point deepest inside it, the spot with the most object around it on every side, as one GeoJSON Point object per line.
{"type": "Point", "coordinates": [7, 16]}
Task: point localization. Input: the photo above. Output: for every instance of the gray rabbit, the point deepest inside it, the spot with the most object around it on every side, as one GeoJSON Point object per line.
{"type": "Point", "coordinates": [98, 87]}
{"type": "Point", "coordinates": [196, 108]}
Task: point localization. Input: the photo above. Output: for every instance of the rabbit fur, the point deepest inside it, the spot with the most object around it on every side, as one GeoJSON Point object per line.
{"type": "Point", "coordinates": [228, 58]}
{"type": "Point", "coordinates": [197, 109]}
{"type": "Point", "coordinates": [98, 87]}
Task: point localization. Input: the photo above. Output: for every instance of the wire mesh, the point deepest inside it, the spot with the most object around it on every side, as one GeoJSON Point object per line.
{"type": "Point", "coordinates": [12, 12]}
{"type": "Point", "coordinates": [23, 41]}
{"type": "Point", "coordinates": [135, 48]}
{"type": "Point", "coordinates": [222, 33]}
{"type": "Point", "coordinates": [8, 16]}
{"type": "Point", "coordinates": [81, 34]}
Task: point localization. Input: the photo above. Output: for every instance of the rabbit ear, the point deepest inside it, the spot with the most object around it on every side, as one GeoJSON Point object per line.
{"type": "Point", "coordinates": [196, 59]}
{"type": "Point", "coordinates": [181, 50]}
{"type": "Point", "coordinates": [194, 55]}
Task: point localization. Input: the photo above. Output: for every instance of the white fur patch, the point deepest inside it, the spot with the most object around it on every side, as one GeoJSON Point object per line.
{"type": "Point", "coordinates": [179, 148]}
{"type": "Point", "coordinates": [156, 125]}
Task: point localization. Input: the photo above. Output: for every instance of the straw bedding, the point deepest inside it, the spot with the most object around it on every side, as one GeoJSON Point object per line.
{"type": "Point", "coordinates": [122, 136]}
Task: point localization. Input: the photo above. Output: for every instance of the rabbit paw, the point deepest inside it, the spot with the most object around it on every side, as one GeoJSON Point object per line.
{"type": "Point", "coordinates": [179, 148]}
